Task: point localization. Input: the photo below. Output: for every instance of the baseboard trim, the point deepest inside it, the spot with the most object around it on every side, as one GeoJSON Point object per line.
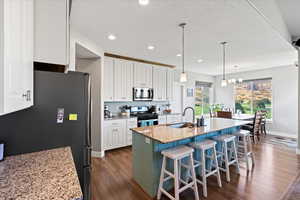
{"type": "Point", "coordinates": [97, 154]}
{"type": "Point", "coordinates": [277, 133]}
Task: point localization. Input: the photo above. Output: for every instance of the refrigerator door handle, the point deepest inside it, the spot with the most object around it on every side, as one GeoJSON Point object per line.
{"type": "Point", "coordinates": [88, 126]}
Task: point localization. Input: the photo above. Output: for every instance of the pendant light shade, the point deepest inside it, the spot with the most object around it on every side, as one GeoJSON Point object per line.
{"type": "Point", "coordinates": [183, 75]}
{"type": "Point", "coordinates": [224, 81]}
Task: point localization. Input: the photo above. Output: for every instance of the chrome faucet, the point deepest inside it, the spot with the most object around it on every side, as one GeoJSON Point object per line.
{"type": "Point", "coordinates": [183, 114]}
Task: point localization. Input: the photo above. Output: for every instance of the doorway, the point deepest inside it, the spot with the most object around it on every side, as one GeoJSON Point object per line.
{"type": "Point", "coordinates": [89, 62]}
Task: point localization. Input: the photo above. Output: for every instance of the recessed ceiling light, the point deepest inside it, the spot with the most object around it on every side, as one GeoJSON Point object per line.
{"type": "Point", "coordinates": [150, 47]}
{"type": "Point", "coordinates": [143, 2]}
{"type": "Point", "coordinates": [199, 60]}
{"type": "Point", "coordinates": [178, 55]}
{"type": "Point", "coordinates": [111, 37]}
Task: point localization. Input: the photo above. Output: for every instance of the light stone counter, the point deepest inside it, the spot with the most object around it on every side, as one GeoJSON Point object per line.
{"type": "Point", "coordinates": [43, 175]}
{"type": "Point", "coordinates": [166, 134]}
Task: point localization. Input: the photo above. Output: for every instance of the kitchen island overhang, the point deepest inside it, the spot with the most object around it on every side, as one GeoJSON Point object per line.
{"type": "Point", "coordinates": [148, 142]}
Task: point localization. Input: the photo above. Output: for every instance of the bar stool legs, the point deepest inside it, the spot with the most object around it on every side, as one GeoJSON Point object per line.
{"type": "Point", "coordinates": [177, 154]}
{"type": "Point", "coordinates": [203, 147]}
{"type": "Point", "coordinates": [228, 155]}
{"type": "Point", "coordinates": [243, 142]}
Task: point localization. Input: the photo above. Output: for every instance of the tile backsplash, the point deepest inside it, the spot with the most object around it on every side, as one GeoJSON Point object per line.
{"type": "Point", "coordinates": [115, 107]}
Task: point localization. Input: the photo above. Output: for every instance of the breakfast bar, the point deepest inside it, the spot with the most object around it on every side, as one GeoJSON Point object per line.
{"type": "Point", "coordinates": [148, 142]}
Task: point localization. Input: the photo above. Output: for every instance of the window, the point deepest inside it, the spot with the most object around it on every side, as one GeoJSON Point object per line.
{"type": "Point", "coordinates": [254, 95]}
{"type": "Point", "coordinates": [202, 97]}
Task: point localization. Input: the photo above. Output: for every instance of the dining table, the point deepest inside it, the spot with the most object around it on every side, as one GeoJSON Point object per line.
{"type": "Point", "coordinates": [243, 117]}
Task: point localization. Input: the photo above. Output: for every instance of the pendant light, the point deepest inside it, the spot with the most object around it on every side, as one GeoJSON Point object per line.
{"type": "Point", "coordinates": [235, 80]}
{"type": "Point", "coordinates": [224, 81]}
{"type": "Point", "coordinates": [183, 75]}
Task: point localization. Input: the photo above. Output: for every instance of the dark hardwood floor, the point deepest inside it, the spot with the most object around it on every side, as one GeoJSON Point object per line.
{"type": "Point", "coordinates": [275, 170]}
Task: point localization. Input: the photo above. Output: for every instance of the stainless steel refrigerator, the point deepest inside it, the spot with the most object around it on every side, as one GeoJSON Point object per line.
{"type": "Point", "coordinates": [40, 128]}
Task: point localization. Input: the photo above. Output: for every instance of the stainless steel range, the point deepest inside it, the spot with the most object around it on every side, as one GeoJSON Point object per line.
{"type": "Point", "coordinates": [144, 116]}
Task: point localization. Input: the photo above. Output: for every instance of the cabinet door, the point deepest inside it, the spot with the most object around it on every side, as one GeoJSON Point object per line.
{"type": "Point", "coordinates": [148, 73]}
{"type": "Point", "coordinates": [17, 56]}
{"type": "Point", "coordinates": [119, 133]}
{"type": "Point", "coordinates": [171, 119]}
{"type": "Point", "coordinates": [107, 136]}
{"type": "Point", "coordinates": [28, 51]}
{"type": "Point", "coordinates": [52, 31]}
{"type": "Point", "coordinates": [114, 134]}
{"type": "Point", "coordinates": [170, 84]}
{"type": "Point", "coordinates": [108, 85]}
{"type": "Point", "coordinates": [123, 80]}
{"type": "Point", "coordinates": [162, 119]}
{"type": "Point", "coordinates": [159, 83]}
{"type": "Point", "coordinates": [142, 75]}
{"type": "Point", "coordinates": [131, 123]}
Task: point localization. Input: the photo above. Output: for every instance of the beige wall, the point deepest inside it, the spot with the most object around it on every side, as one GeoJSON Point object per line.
{"type": "Point", "coordinates": [93, 67]}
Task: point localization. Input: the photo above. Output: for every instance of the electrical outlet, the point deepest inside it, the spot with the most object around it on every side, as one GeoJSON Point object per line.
{"type": "Point", "coordinates": [147, 141]}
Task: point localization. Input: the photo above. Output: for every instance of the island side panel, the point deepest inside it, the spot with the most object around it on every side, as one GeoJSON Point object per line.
{"type": "Point", "coordinates": [143, 163]}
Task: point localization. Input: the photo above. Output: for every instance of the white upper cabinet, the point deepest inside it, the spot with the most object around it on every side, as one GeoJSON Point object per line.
{"type": "Point", "coordinates": [123, 80]}
{"type": "Point", "coordinates": [170, 84]}
{"type": "Point", "coordinates": [142, 75]}
{"type": "Point", "coordinates": [52, 31]}
{"type": "Point", "coordinates": [108, 79]}
{"type": "Point", "coordinates": [160, 83]}
{"type": "Point", "coordinates": [16, 55]}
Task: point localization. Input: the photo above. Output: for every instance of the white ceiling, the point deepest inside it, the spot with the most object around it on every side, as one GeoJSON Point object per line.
{"type": "Point", "coordinates": [253, 44]}
{"type": "Point", "coordinates": [291, 14]}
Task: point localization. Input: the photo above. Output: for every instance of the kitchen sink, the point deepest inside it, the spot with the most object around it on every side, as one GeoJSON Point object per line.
{"type": "Point", "coordinates": [182, 125]}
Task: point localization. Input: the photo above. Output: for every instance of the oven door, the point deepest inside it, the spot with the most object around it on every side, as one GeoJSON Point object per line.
{"type": "Point", "coordinates": [142, 94]}
{"type": "Point", "coordinates": [149, 122]}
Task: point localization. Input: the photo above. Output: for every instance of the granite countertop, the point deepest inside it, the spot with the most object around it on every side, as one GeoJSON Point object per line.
{"type": "Point", "coordinates": [43, 175]}
{"type": "Point", "coordinates": [163, 114]}
{"type": "Point", "coordinates": [119, 117]}
{"type": "Point", "coordinates": [166, 134]}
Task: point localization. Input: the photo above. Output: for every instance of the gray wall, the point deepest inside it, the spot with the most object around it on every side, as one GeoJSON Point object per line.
{"type": "Point", "coordinates": [284, 96]}
{"type": "Point", "coordinates": [93, 67]}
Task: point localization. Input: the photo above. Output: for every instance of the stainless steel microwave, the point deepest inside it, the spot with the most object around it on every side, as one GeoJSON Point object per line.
{"type": "Point", "coordinates": [142, 94]}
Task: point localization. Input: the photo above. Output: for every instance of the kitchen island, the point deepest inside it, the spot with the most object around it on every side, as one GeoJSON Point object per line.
{"type": "Point", "coordinates": [149, 141]}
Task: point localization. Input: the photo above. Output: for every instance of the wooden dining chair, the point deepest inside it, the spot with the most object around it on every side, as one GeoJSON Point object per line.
{"type": "Point", "coordinates": [224, 114]}
{"type": "Point", "coordinates": [255, 128]}
{"type": "Point", "coordinates": [264, 122]}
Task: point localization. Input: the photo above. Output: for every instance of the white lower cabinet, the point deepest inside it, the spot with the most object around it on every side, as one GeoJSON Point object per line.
{"type": "Point", "coordinates": [114, 134]}
{"type": "Point", "coordinates": [162, 119]}
{"type": "Point", "coordinates": [117, 133]}
{"type": "Point", "coordinates": [131, 123]}
{"type": "Point", "coordinates": [171, 119]}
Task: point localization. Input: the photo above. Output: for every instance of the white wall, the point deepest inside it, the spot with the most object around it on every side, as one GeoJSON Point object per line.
{"type": "Point", "coordinates": [192, 78]}
{"type": "Point", "coordinates": [93, 67]}
{"type": "Point", "coordinates": [78, 38]}
{"type": "Point", "coordinates": [284, 95]}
